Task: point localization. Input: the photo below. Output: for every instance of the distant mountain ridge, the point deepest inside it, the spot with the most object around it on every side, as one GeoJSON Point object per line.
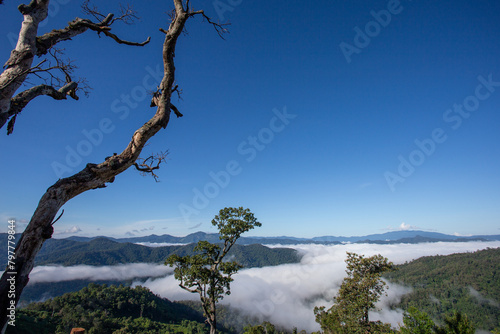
{"type": "Point", "coordinates": [410, 236]}
{"type": "Point", "coordinates": [102, 251]}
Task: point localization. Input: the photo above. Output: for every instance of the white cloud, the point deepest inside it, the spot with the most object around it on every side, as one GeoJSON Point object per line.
{"type": "Point", "coordinates": [461, 235]}
{"type": "Point", "coordinates": [384, 311]}
{"type": "Point", "coordinates": [285, 295]}
{"type": "Point", "coordinates": [474, 293]}
{"type": "Point", "coordinates": [74, 229]}
{"type": "Point", "coordinates": [20, 223]}
{"type": "Point", "coordinates": [71, 230]}
{"type": "Point", "coordinates": [365, 185]}
{"type": "Point", "coordinates": [176, 226]}
{"type": "Point", "coordinates": [121, 272]}
{"type": "Point", "coordinates": [407, 227]}
{"type": "Point", "coordinates": [434, 299]}
{"type": "Point", "coordinates": [158, 244]}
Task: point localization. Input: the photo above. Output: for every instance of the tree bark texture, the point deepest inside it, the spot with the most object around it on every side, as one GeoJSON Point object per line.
{"type": "Point", "coordinates": [20, 63]}
{"type": "Point", "coordinates": [21, 58]}
{"type": "Point", "coordinates": [93, 176]}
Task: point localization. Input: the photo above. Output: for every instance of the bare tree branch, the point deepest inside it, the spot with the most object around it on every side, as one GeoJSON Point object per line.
{"type": "Point", "coordinates": [220, 28]}
{"type": "Point", "coordinates": [77, 27]}
{"type": "Point", "coordinates": [59, 74]}
{"type": "Point", "coordinates": [20, 63]}
{"type": "Point", "coordinates": [175, 110]}
{"type": "Point", "coordinates": [127, 14]}
{"type": "Point", "coordinates": [150, 164]}
{"type": "Point", "coordinates": [55, 221]}
{"type": "Point", "coordinates": [93, 176]}
{"type": "Point", "coordinates": [188, 289]}
{"type": "Point", "coordinates": [156, 97]}
{"type": "Point", "coordinates": [22, 99]}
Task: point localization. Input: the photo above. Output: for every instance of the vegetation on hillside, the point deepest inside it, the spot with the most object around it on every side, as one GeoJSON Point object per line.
{"type": "Point", "coordinates": [109, 309]}
{"type": "Point", "coordinates": [102, 251]}
{"type": "Point", "coordinates": [438, 278]}
{"type": "Point", "coordinates": [468, 282]}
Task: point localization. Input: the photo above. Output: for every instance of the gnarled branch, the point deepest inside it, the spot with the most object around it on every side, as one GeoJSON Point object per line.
{"type": "Point", "coordinates": [220, 28]}
{"type": "Point", "coordinates": [22, 99]}
{"type": "Point", "coordinates": [93, 176]}
{"type": "Point", "coordinates": [19, 65]}
{"type": "Point", "coordinates": [77, 27]}
{"type": "Point", "coordinates": [150, 164]}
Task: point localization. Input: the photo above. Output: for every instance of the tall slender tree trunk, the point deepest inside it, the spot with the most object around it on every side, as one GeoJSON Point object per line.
{"type": "Point", "coordinates": [213, 317]}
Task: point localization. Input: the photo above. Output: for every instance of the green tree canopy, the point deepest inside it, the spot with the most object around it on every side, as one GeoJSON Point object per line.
{"type": "Point", "coordinates": [457, 323]}
{"type": "Point", "coordinates": [359, 292]}
{"type": "Point", "coordinates": [206, 273]}
{"type": "Point", "coordinates": [417, 322]}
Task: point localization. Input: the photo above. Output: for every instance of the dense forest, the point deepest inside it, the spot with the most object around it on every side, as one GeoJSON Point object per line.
{"type": "Point", "coordinates": [108, 309]}
{"type": "Point", "coordinates": [102, 309]}
{"type": "Point", "coordinates": [103, 251]}
{"type": "Point", "coordinates": [468, 282]}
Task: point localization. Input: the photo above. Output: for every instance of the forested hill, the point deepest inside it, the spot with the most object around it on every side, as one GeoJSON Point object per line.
{"type": "Point", "coordinates": [103, 251]}
{"type": "Point", "coordinates": [103, 309]}
{"type": "Point", "coordinates": [109, 309]}
{"type": "Point", "coordinates": [467, 282]}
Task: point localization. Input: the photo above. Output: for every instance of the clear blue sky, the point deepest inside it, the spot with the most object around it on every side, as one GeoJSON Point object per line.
{"type": "Point", "coordinates": [323, 118]}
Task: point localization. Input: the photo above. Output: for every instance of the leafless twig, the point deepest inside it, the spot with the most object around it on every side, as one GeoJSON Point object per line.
{"type": "Point", "coordinates": [220, 28]}
{"type": "Point", "coordinates": [150, 164]}
{"type": "Point", "coordinates": [127, 14]}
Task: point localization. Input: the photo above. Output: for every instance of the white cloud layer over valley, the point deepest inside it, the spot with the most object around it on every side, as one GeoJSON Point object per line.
{"type": "Point", "coordinates": [285, 295]}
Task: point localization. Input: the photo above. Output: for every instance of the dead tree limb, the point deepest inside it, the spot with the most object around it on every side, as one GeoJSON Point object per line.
{"type": "Point", "coordinates": [93, 176]}
{"type": "Point", "coordinates": [22, 99]}
{"type": "Point", "coordinates": [150, 164]}
{"type": "Point", "coordinates": [19, 65]}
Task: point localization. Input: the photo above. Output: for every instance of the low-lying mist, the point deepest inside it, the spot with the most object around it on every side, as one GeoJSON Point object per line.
{"type": "Point", "coordinates": [121, 272]}
{"type": "Point", "coordinates": [284, 295]}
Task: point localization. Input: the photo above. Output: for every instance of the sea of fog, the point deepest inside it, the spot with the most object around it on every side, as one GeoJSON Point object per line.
{"type": "Point", "coordinates": [285, 295]}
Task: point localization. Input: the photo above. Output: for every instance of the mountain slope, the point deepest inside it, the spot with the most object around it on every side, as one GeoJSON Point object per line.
{"type": "Point", "coordinates": [467, 282]}
{"type": "Point", "coordinates": [108, 309]}
{"type": "Point", "coordinates": [103, 251]}
{"type": "Point", "coordinates": [198, 236]}
{"type": "Point", "coordinates": [389, 237]}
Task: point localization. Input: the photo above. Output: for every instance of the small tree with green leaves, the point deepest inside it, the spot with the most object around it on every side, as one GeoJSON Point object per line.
{"type": "Point", "coordinates": [359, 292]}
{"type": "Point", "coordinates": [264, 328]}
{"type": "Point", "coordinates": [205, 272]}
{"type": "Point", "coordinates": [417, 322]}
{"type": "Point", "coordinates": [457, 323]}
